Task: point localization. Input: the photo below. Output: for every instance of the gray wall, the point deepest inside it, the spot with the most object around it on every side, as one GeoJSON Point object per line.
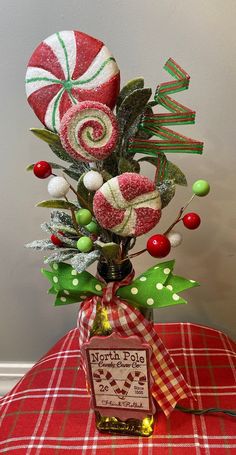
{"type": "Point", "coordinates": [200, 35]}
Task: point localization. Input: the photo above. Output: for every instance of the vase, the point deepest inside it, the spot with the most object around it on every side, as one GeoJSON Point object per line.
{"type": "Point", "coordinates": [110, 271]}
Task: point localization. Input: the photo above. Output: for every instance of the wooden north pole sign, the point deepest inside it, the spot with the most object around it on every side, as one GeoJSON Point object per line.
{"type": "Point", "coordinates": [118, 370]}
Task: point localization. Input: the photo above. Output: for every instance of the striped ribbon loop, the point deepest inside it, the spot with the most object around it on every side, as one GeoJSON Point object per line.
{"type": "Point", "coordinates": [169, 384]}
{"type": "Point", "coordinates": [181, 83]}
{"type": "Point", "coordinates": [171, 141]}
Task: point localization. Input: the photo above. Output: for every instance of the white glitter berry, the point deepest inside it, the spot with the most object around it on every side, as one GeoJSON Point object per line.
{"type": "Point", "coordinates": [93, 180]}
{"type": "Point", "coordinates": [175, 238]}
{"type": "Point", "coordinates": [58, 187]}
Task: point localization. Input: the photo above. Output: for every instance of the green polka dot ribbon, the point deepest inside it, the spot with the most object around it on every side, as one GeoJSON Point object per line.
{"type": "Point", "coordinates": [157, 287]}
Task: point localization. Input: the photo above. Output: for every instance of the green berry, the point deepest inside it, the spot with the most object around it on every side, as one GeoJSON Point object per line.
{"type": "Point", "coordinates": [83, 217]}
{"type": "Point", "coordinates": [92, 227]}
{"type": "Point", "coordinates": [201, 188]}
{"type": "Point", "coordinates": [84, 244]}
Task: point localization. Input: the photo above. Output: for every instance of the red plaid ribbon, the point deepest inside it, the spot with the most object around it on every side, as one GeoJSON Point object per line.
{"type": "Point", "coordinates": [169, 384]}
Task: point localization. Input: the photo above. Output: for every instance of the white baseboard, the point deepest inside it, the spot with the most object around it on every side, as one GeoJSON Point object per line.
{"type": "Point", "coordinates": [10, 374]}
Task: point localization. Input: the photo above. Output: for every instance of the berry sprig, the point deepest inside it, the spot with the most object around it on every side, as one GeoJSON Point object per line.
{"type": "Point", "coordinates": [159, 245]}
{"type": "Point", "coordinates": [58, 187]}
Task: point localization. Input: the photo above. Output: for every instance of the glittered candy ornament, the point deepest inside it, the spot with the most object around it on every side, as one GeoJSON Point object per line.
{"type": "Point", "coordinates": [128, 205]}
{"type": "Point", "coordinates": [89, 131]}
{"type": "Point", "coordinates": [68, 67]}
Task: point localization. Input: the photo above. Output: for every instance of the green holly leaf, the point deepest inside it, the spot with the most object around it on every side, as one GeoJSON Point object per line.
{"type": "Point", "coordinates": [131, 85]}
{"type": "Point", "coordinates": [174, 173]}
{"type": "Point", "coordinates": [166, 188]}
{"type": "Point", "coordinates": [132, 106]}
{"type": "Point", "coordinates": [46, 135]}
{"type": "Point", "coordinates": [57, 204]}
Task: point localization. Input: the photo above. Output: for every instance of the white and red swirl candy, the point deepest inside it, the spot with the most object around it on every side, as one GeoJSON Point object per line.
{"type": "Point", "coordinates": [89, 131]}
{"type": "Point", "coordinates": [68, 67]}
{"type": "Point", "coordinates": [128, 205]}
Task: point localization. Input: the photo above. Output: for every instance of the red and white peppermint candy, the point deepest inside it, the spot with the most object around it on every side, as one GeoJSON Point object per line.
{"type": "Point", "coordinates": [128, 205]}
{"type": "Point", "coordinates": [68, 67]}
{"type": "Point", "coordinates": [89, 131]}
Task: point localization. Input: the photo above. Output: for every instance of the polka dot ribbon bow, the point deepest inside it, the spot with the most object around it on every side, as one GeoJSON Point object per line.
{"type": "Point", "coordinates": [156, 287]}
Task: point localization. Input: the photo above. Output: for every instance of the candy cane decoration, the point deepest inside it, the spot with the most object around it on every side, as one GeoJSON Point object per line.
{"type": "Point", "coordinates": [102, 374]}
{"type": "Point", "coordinates": [68, 67]}
{"type": "Point", "coordinates": [89, 131]}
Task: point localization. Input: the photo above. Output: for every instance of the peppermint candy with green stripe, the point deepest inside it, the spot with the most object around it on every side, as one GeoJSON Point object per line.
{"type": "Point", "coordinates": [128, 205]}
{"type": "Point", "coordinates": [68, 67]}
{"type": "Point", "coordinates": [89, 131]}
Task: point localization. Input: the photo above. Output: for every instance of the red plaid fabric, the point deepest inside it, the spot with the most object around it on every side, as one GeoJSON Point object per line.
{"type": "Point", "coordinates": [48, 412]}
{"type": "Point", "coordinates": [169, 384]}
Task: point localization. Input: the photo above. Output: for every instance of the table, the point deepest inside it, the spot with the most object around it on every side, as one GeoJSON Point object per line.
{"type": "Point", "coordinates": [47, 412]}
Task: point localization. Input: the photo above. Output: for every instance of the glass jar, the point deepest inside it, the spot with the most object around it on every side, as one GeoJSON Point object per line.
{"type": "Point", "coordinates": [110, 271]}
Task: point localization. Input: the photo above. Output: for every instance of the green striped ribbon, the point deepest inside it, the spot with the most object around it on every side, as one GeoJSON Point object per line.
{"type": "Point", "coordinates": [171, 141]}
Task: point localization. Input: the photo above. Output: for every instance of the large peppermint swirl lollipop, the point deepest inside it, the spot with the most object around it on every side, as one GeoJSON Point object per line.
{"type": "Point", "coordinates": [68, 67]}
{"type": "Point", "coordinates": [128, 205]}
{"type": "Point", "coordinates": [89, 131]}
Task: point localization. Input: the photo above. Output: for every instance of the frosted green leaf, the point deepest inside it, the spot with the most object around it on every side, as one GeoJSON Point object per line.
{"type": "Point", "coordinates": [109, 250]}
{"type": "Point", "coordinates": [41, 245]}
{"type": "Point", "coordinates": [55, 227]}
{"type": "Point", "coordinates": [46, 135]}
{"type": "Point", "coordinates": [60, 152]}
{"type": "Point", "coordinates": [140, 132]}
{"type": "Point", "coordinates": [85, 194]}
{"type": "Point", "coordinates": [166, 189]}
{"type": "Point", "coordinates": [76, 170]}
{"type": "Point", "coordinates": [57, 216]}
{"type": "Point", "coordinates": [128, 88]}
{"type": "Point", "coordinates": [60, 256]}
{"type": "Point", "coordinates": [132, 106]}
{"type": "Point", "coordinates": [57, 204]}
{"type": "Point", "coordinates": [82, 261]}
{"type": "Point", "coordinates": [110, 165]}
{"type": "Point", "coordinates": [174, 173]}
{"type": "Point", "coordinates": [53, 165]}
{"type": "Point", "coordinates": [128, 165]}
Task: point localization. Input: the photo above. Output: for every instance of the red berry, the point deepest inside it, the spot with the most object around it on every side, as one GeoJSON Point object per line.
{"type": "Point", "coordinates": [42, 169]}
{"type": "Point", "coordinates": [55, 240]}
{"type": "Point", "coordinates": [191, 220]}
{"type": "Point", "coordinates": [158, 246]}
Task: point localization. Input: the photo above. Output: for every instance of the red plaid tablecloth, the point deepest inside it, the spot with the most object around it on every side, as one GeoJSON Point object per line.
{"type": "Point", "coordinates": [47, 412]}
